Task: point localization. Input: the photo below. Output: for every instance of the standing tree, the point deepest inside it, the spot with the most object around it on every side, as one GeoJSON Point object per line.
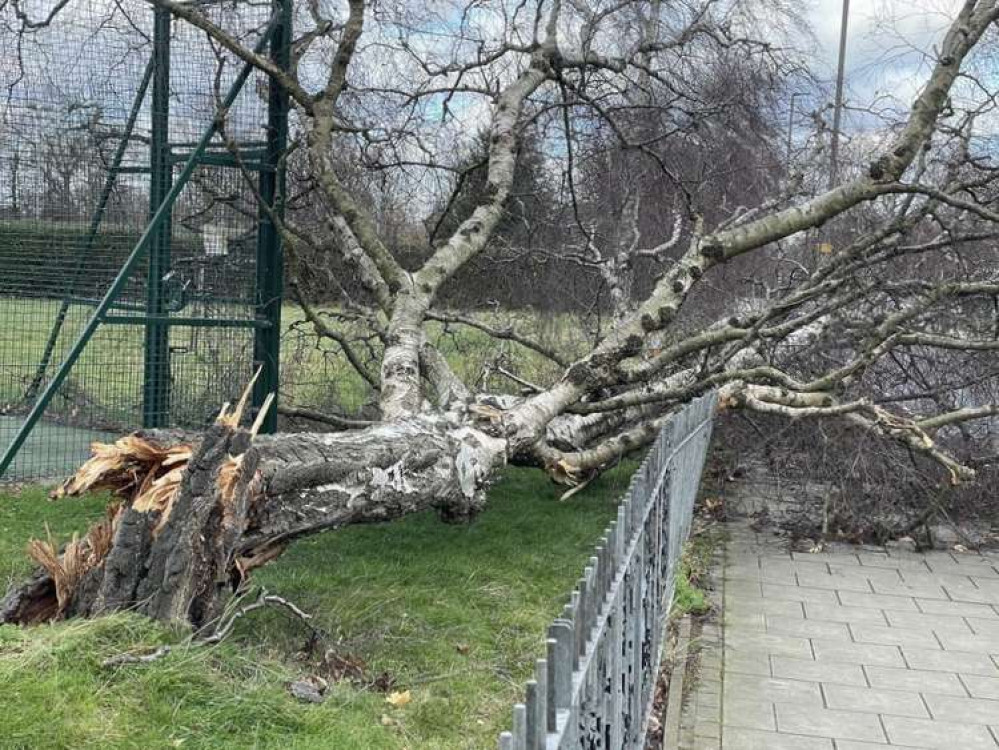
{"type": "Point", "coordinates": [198, 512]}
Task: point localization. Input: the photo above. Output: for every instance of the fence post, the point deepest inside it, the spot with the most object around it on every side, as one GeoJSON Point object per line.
{"type": "Point", "coordinates": [156, 382]}
{"type": "Point", "coordinates": [270, 253]}
{"type": "Point", "coordinates": [520, 727]}
{"type": "Point", "coordinates": [552, 659]}
{"type": "Point", "coordinates": [541, 704]}
{"type": "Point", "coordinates": [561, 632]}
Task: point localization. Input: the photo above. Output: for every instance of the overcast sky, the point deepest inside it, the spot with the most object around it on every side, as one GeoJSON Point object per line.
{"type": "Point", "coordinates": [886, 42]}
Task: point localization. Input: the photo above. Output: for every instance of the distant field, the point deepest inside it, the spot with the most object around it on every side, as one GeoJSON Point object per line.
{"type": "Point", "coordinates": [104, 392]}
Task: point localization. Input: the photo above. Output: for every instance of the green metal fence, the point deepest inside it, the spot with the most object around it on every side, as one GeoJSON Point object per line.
{"type": "Point", "coordinates": [140, 278]}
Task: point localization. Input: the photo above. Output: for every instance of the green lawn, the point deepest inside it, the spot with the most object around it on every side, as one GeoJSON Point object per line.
{"type": "Point", "coordinates": [455, 614]}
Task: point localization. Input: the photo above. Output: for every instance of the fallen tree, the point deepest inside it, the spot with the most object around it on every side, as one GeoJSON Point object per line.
{"type": "Point", "coordinates": [196, 513]}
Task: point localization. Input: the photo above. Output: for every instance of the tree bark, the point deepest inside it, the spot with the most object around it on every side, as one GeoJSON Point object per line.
{"type": "Point", "coordinates": [239, 502]}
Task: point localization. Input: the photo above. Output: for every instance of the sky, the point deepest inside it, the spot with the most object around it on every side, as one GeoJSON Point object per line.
{"type": "Point", "coordinates": [886, 44]}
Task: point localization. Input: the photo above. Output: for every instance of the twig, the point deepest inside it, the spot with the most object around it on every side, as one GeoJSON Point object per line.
{"type": "Point", "coordinates": [262, 414]}
{"type": "Point", "coordinates": [225, 627]}
{"type": "Point", "coordinates": [507, 334]}
{"type": "Point", "coordinates": [532, 387]}
{"type": "Point", "coordinates": [578, 488]}
{"type": "Point", "coordinates": [120, 659]}
{"type": "Point", "coordinates": [324, 418]}
{"type": "Point", "coordinates": [263, 599]}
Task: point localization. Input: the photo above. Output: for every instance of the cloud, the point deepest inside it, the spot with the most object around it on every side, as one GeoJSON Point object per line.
{"type": "Point", "coordinates": [889, 51]}
{"type": "Point", "coordinates": [888, 41]}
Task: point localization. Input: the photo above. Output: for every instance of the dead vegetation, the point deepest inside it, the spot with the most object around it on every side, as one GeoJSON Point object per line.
{"type": "Point", "coordinates": [826, 482]}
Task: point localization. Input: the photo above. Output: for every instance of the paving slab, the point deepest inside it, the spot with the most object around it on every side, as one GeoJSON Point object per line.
{"type": "Point", "coordinates": [915, 680]}
{"type": "Point", "coordinates": [983, 625]}
{"type": "Point", "coordinates": [877, 701]}
{"type": "Point", "coordinates": [878, 601]}
{"type": "Point", "coordinates": [835, 631]}
{"type": "Point", "coordinates": [849, 615]}
{"type": "Point", "coordinates": [962, 662]}
{"type": "Point", "coordinates": [750, 739]}
{"type": "Point", "coordinates": [938, 735]}
{"type": "Point", "coordinates": [798, 593]}
{"type": "Point", "coordinates": [963, 710]}
{"type": "Point", "coordinates": [774, 689]}
{"type": "Point", "coordinates": [982, 687]}
{"type": "Point", "coordinates": [918, 590]}
{"type": "Point", "coordinates": [889, 636]}
{"type": "Point", "coordinates": [857, 653]}
{"type": "Point", "coordinates": [815, 671]}
{"type": "Point", "coordinates": [955, 609]}
{"type": "Point", "coordinates": [854, 648]}
{"type": "Point", "coordinates": [793, 718]}
{"type": "Point", "coordinates": [939, 624]}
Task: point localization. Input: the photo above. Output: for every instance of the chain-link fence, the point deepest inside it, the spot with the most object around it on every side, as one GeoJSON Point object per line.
{"type": "Point", "coordinates": [130, 222]}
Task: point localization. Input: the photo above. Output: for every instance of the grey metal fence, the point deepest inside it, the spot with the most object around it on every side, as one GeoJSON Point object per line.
{"type": "Point", "coordinates": [595, 689]}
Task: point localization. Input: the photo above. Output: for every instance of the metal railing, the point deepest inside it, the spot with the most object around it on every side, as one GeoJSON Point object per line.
{"type": "Point", "coordinates": [596, 686]}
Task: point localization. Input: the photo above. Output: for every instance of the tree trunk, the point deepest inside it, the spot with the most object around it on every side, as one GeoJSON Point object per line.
{"type": "Point", "coordinates": [184, 538]}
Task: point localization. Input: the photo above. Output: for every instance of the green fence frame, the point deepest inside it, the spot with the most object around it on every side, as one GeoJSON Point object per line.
{"type": "Point", "coordinates": [156, 240]}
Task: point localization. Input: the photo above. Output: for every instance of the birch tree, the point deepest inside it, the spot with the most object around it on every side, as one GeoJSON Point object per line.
{"type": "Point", "coordinates": [196, 513]}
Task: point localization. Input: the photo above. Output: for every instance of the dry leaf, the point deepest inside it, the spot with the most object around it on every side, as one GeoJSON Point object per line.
{"type": "Point", "coordinates": [399, 699]}
{"type": "Point", "coordinates": [387, 721]}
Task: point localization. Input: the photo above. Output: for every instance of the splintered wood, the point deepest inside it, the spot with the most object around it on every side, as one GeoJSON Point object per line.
{"type": "Point", "coordinates": [153, 480]}
{"type": "Point", "coordinates": [77, 559]}
{"type": "Point", "coordinates": [148, 474]}
{"type": "Point", "coordinates": [130, 462]}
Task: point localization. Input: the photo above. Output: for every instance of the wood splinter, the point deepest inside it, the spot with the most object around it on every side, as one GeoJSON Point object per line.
{"type": "Point", "coordinates": [169, 546]}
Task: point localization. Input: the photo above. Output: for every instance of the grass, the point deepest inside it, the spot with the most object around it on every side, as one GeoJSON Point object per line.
{"type": "Point", "coordinates": [455, 614]}
{"type": "Point", "coordinates": [695, 563]}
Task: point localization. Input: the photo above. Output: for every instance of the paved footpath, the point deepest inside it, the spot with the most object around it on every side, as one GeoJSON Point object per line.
{"type": "Point", "coordinates": [849, 649]}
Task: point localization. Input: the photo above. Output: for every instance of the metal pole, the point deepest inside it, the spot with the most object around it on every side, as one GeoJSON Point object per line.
{"type": "Point", "coordinates": [838, 108]}
{"type": "Point", "coordinates": [156, 384]}
{"type": "Point", "coordinates": [270, 256]}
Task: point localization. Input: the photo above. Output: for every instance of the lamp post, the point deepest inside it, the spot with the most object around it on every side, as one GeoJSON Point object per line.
{"type": "Point", "coordinates": [837, 111]}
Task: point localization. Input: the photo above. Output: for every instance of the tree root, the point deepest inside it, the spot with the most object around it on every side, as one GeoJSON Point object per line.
{"type": "Point", "coordinates": [167, 547]}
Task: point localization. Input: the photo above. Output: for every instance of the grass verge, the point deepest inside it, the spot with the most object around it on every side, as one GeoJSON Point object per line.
{"type": "Point", "coordinates": [454, 614]}
{"type": "Point", "coordinates": [692, 576]}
